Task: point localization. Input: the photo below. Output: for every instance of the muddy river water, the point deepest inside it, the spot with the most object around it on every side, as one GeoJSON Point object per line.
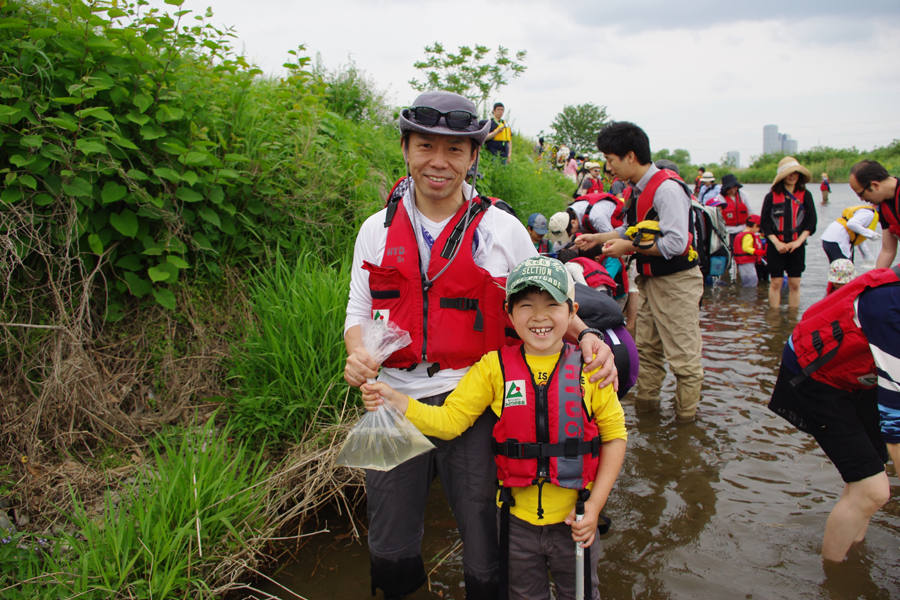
{"type": "Point", "coordinates": [731, 506]}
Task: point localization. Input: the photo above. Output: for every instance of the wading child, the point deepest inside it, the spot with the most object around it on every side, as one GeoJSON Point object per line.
{"type": "Point", "coordinates": [748, 251]}
{"type": "Point", "coordinates": [559, 437]}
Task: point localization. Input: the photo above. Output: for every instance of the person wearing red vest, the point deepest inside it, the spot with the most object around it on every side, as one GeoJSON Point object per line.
{"type": "Point", "coordinates": [838, 382]}
{"type": "Point", "coordinates": [788, 218]}
{"type": "Point", "coordinates": [748, 251]}
{"type": "Point", "coordinates": [558, 439]}
{"type": "Point", "coordinates": [592, 182]}
{"type": "Point", "coordinates": [669, 278]}
{"type": "Point", "coordinates": [734, 205]}
{"type": "Point", "coordinates": [872, 183]}
{"type": "Point", "coordinates": [433, 261]}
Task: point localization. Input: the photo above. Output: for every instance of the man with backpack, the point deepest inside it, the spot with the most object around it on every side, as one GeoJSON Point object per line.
{"type": "Point", "coordinates": [659, 229]}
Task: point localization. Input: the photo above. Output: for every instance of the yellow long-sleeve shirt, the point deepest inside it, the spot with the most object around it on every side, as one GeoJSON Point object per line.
{"type": "Point", "coordinates": [748, 245]}
{"type": "Point", "coordinates": [482, 387]}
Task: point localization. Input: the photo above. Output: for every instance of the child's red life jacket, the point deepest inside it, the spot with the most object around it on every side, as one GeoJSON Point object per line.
{"type": "Point", "coordinates": [595, 274]}
{"type": "Point", "coordinates": [545, 431]}
{"type": "Point", "coordinates": [740, 257]}
{"type": "Point", "coordinates": [781, 204]}
{"type": "Point", "coordinates": [830, 346]}
{"type": "Point", "coordinates": [617, 217]}
{"type": "Point", "coordinates": [643, 211]}
{"type": "Point", "coordinates": [734, 211]}
{"type": "Point", "coordinates": [453, 320]}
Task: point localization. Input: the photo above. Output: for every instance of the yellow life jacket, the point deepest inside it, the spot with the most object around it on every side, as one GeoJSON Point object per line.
{"type": "Point", "coordinates": [505, 135]}
{"type": "Point", "coordinates": [848, 213]}
{"type": "Point", "coordinates": [644, 234]}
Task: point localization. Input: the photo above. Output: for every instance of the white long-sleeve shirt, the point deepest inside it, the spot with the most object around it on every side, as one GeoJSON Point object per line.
{"type": "Point", "coordinates": [858, 224]}
{"type": "Point", "coordinates": [503, 242]}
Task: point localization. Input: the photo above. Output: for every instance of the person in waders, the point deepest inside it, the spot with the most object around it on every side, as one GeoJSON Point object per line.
{"type": "Point", "coordinates": [872, 183]}
{"type": "Point", "coordinates": [839, 381]}
{"type": "Point", "coordinates": [788, 218]}
{"type": "Point", "coordinates": [433, 262]}
{"type": "Point", "coordinates": [559, 438]}
{"type": "Point", "coordinates": [669, 278]}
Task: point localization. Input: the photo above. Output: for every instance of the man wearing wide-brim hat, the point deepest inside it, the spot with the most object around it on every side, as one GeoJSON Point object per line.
{"type": "Point", "coordinates": [788, 218]}
{"type": "Point", "coordinates": [410, 266]}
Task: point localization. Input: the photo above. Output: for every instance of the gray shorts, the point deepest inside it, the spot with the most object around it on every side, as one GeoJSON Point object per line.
{"type": "Point", "coordinates": [533, 549]}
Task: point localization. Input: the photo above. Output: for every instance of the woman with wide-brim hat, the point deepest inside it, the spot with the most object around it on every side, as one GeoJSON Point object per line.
{"type": "Point", "coordinates": [788, 218]}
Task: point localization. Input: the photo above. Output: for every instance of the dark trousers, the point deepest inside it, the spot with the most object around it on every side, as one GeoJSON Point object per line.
{"type": "Point", "coordinates": [396, 507]}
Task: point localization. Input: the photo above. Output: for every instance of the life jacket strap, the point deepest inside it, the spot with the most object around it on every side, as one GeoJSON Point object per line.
{"type": "Point", "coordinates": [456, 235]}
{"type": "Point", "coordinates": [571, 448]}
{"type": "Point", "coordinates": [465, 304]}
{"type": "Point", "coordinates": [812, 367]}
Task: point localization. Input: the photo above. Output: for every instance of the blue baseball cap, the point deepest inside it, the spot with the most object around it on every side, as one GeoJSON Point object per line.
{"type": "Point", "coordinates": [538, 222]}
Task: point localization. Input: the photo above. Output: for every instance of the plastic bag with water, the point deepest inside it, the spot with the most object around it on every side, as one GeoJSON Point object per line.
{"type": "Point", "coordinates": [383, 438]}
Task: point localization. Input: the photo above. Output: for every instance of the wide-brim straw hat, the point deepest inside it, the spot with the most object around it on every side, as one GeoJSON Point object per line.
{"type": "Point", "coordinates": [708, 176]}
{"type": "Point", "coordinates": [788, 165]}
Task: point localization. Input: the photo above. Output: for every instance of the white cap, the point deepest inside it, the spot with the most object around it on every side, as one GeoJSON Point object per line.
{"type": "Point", "coordinates": [557, 227]}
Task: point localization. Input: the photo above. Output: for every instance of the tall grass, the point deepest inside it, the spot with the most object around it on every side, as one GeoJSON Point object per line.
{"type": "Point", "coordinates": [197, 506]}
{"type": "Point", "coordinates": [291, 367]}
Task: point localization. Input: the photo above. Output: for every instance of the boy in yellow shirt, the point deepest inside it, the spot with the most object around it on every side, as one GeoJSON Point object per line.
{"type": "Point", "coordinates": [558, 438]}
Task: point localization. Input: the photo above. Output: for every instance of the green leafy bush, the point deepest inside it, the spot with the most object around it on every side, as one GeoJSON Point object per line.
{"type": "Point", "coordinates": [140, 144]}
{"type": "Point", "coordinates": [292, 367]}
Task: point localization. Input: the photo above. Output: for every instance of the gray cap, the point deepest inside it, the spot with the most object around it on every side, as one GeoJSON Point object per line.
{"type": "Point", "coordinates": [445, 102]}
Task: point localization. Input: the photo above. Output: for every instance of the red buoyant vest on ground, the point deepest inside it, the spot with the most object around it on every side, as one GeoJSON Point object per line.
{"type": "Point", "coordinates": [830, 346]}
{"type": "Point", "coordinates": [545, 431]}
{"type": "Point", "coordinates": [453, 320]}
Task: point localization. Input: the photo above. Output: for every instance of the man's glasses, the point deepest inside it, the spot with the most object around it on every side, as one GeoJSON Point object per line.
{"type": "Point", "coordinates": [429, 117]}
{"type": "Point", "coordinates": [863, 191]}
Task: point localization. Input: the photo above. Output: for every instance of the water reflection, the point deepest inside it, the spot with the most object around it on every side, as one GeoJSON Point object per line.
{"type": "Point", "coordinates": [732, 506]}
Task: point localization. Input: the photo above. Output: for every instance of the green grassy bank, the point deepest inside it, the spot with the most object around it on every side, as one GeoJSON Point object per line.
{"type": "Point", "coordinates": [177, 232]}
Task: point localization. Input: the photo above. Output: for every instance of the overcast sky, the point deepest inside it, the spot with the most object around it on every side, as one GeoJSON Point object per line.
{"type": "Point", "coordinates": [702, 75]}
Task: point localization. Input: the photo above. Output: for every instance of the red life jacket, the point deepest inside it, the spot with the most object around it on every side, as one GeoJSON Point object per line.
{"type": "Point", "coordinates": [617, 217]}
{"type": "Point", "coordinates": [596, 187]}
{"type": "Point", "coordinates": [544, 431]}
{"type": "Point", "coordinates": [891, 213]}
{"type": "Point", "coordinates": [595, 274]}
{"type": "Point", "coordinates": [735, 211]}
{"type": "Point", "coordinates": [828, 331]}
{"type": "Point", "coordinates": [780, 204]}
{"type": "Point", "coordinates": [740, 257]}
{"type": "Point", "coordinates": [642, 210]}
{"type": "Point", "coordinates": [453, 320]}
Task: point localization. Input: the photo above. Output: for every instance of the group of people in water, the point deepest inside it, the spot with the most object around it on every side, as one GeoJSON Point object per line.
{"type": "Point", "coordinates": [519, 345]}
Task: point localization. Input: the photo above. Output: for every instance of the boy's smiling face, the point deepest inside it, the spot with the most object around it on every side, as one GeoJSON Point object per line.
{"type": "Point", "coordinates": [541, 321]}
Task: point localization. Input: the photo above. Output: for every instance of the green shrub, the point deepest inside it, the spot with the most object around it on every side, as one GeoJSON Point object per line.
{"type": "Point", "coordinates": [291, 368]}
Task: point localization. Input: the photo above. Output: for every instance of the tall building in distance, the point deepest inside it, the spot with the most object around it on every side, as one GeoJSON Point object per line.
{"type": "Point", "coordinates": [777, 142]}
{"type": "Point", "coordinates": [733, 158]}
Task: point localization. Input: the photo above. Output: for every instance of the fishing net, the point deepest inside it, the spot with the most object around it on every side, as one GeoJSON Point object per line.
{"type": "Point", "coordinates": [383, 438]}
